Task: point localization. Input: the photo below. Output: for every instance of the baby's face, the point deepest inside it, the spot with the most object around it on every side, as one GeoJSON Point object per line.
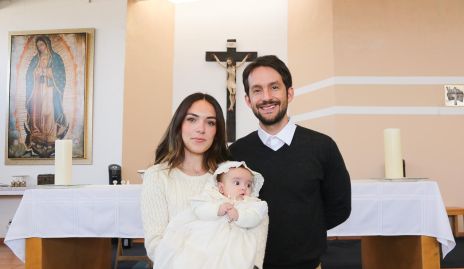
{"type": "Point", "coordinates": [236, 183]}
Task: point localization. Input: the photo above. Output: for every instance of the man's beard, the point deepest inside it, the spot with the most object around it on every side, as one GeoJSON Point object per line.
{"type": "Point", "coordinates": [271, 121]}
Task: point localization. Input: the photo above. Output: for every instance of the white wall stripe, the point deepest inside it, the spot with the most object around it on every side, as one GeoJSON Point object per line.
{"type": "Point", "coordinates": [377, 110]}
{"type": "Point", "coordinates": [370, 80]}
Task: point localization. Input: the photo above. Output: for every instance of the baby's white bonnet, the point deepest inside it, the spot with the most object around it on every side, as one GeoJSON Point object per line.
{"type": "Point", "coordinates": [258, 179]}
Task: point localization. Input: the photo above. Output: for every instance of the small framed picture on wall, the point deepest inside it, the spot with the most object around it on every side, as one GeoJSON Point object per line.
{"type": "Point", "coordinates": [454, 95]}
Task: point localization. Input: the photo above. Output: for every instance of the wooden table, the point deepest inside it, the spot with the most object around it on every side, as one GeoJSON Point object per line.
{"type": "Point", "coordinates": [69, 253]}
{"type": "Point", "coordinates": [400, 223]}
{"type": "Point", "coordinates": [72, 227]}
{"type": "Point", "coordinates": [400, 252]}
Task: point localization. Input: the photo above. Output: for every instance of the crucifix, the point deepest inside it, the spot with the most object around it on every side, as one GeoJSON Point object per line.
{"type": "Point", "coordinates": [230, 60]}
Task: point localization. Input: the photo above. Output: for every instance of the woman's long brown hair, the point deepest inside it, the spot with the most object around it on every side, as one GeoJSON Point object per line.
{"type": "Point", "coordinates": [171, 148]}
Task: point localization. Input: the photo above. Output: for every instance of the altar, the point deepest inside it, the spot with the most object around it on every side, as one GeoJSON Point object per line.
{"type": "Point", "coordinates": [398, 220]}
{"type": "Point", "coordinates": [58, 226]}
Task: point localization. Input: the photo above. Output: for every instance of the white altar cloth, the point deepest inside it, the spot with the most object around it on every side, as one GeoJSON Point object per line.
{"type": "Point", "coordinates": [76, 211]}
{"type": "Point", "coordinates": [378, 208]}
{"type": "Point", "coordinates": [397, 207]}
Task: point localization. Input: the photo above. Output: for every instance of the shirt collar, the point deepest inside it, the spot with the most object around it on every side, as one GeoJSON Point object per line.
{"type": "Point", "coordinates": [285, 135]}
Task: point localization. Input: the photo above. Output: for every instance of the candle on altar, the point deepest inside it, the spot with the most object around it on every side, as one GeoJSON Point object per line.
{"type": "Point", "coordinates": [393, 156]}
{"type": "Point", "coordinates": [63, 162]}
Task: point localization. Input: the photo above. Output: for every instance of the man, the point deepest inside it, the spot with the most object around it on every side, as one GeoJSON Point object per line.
{"type": "Point", "coordinates": [307, 186]}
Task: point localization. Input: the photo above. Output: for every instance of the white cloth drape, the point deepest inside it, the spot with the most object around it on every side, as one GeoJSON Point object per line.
{"type": "Point", "coordinates": [379, 208]}
{"type": "Point", "coordinates": [397, 207]}
{"type": "Point", "coordinates": [82, 211]}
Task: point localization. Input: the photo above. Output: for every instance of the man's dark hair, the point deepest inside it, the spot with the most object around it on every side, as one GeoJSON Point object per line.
{"type": "Point", "coordinates": [268, 61]}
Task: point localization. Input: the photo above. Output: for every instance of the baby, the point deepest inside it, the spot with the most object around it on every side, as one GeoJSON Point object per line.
{"type": "Point", "coordinates": [217, 231]}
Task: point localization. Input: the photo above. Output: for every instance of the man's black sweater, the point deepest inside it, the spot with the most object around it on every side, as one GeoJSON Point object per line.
{"type": "Point", "coordinates": [308, 191]}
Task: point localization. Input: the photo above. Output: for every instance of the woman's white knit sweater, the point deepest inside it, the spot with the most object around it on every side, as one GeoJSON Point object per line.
{"type": "Point", "coordinates": [166, 193]}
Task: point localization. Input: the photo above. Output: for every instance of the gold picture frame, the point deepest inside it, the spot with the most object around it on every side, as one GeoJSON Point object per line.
{"type": "Point", "coordinates": [50, 91]}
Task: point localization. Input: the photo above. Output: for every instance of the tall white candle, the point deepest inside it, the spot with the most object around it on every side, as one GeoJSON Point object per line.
{"type": "Point", "coordinates": [393, 156]}
{"type": "Point", "coordinates": [63, 162]}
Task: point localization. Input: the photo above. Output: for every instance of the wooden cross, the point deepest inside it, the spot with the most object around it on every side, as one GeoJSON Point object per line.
{"type": "Point", "coordinates": [230, 60]}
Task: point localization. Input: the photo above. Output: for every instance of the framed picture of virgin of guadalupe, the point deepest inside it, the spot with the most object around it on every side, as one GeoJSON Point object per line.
{"type": "Point", "coordinates": [50, 95]}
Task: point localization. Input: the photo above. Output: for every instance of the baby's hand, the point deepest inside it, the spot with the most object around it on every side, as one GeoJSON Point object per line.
{"type": "Point", "coordinates": [224, 208]}
{"type": "Point", "coordinates": [232, 214]}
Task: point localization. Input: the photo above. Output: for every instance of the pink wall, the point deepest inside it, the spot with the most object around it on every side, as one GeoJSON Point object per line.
{"type": "Point", "coordinates": [382, 58]}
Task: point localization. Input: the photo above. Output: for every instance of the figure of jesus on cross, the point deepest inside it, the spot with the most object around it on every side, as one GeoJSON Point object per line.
{"type": "Point", "coordinates": [228, 59]}
{"type": "Point", "coordinates": [231, 77]}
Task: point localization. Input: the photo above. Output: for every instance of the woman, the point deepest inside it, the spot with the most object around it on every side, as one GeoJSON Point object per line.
{"type": "Point", "coordinates": [190, 150]}
{"type": "Point", "coordinates": [45, 83]}
{"type": "Point", "coordinates": [188, 154]}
